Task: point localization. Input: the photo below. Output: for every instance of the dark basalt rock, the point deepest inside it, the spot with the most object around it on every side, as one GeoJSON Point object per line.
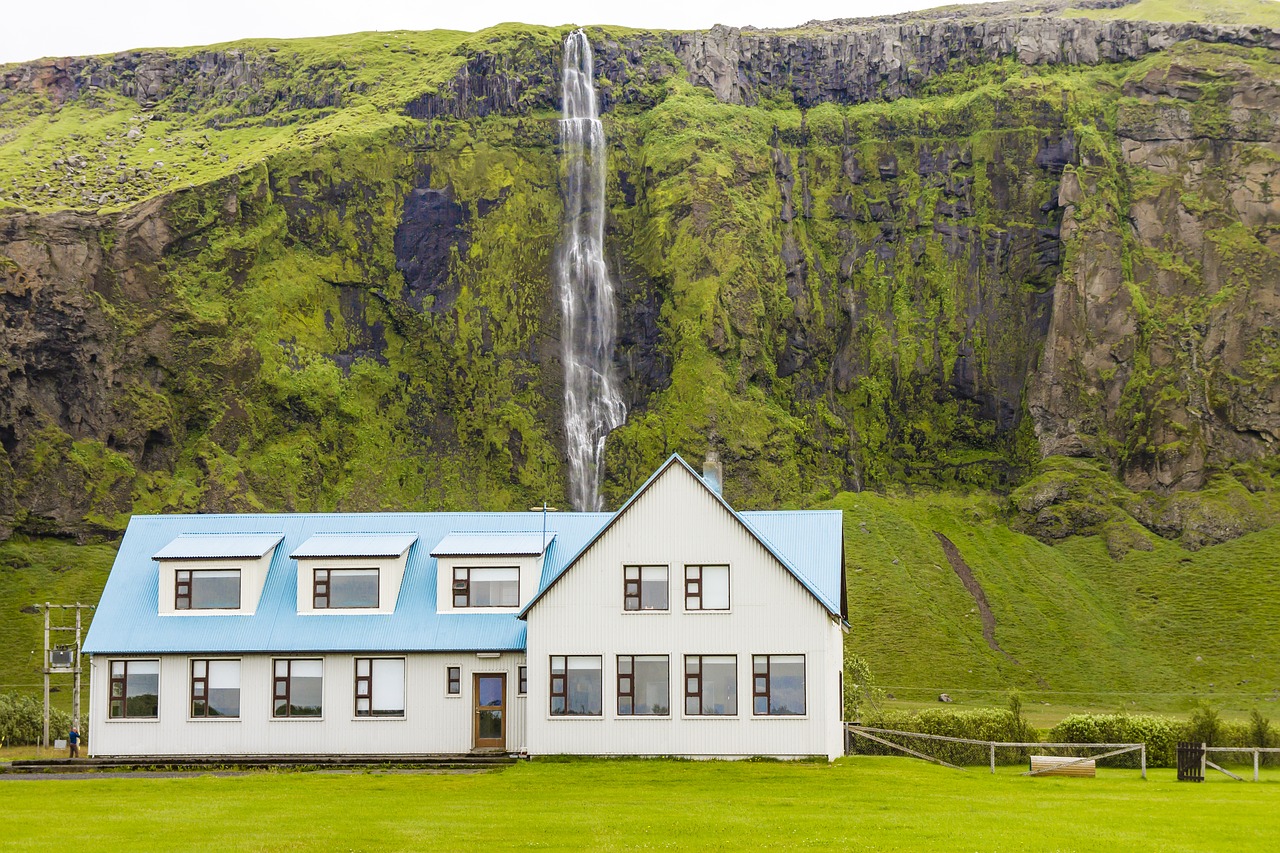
{"type": "Point", "coordinates": [431, 230]}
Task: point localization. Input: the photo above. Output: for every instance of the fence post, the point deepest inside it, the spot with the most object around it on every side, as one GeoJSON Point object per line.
{"type": "Point", "coordinates": [1255, 764]}
{"type": "Point", "coordinates": [993, 758]}
{"type": "Point", "coordinates": [1144, 759]}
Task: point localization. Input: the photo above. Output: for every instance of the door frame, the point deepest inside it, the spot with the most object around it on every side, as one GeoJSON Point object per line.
{"type": "Point", "coordinates": [476, 708]}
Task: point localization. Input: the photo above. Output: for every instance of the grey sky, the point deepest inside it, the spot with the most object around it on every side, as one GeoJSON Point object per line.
{"type": "Point", "coordinates": [74, 27]}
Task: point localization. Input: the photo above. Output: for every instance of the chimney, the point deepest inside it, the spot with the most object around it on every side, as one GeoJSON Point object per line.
{"type": "Point", "coordinates": [713, 472]}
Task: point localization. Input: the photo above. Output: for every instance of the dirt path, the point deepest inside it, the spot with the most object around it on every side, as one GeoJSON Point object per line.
{"type": "Point", "coordinates": [975, 589]}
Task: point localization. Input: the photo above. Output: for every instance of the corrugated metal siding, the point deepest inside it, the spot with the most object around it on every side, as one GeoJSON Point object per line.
{"type": "Point", "coordinates": [433, 721]}
{"type": "Point", "coordinates": [677, 522]}
{"type": "Point", "coordinates": [127, 618]}
{"type": "Point", "coordinates": [342, 545]}
{"type": "Point", "coordinates": [492, 545]}
{"type": "Point", "coordinates": [217, 546]}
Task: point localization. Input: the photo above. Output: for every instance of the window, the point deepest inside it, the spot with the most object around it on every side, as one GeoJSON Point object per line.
{"type": "Point", "coordinates": [575, 686]}
{"type": "Point", "coordinates": [706, 587]}
{"type": "Point", "coordinates": [207, 590]}
{"type": "Point", "coordinates": [345, 588]}
{"type": "Point", "coordinates": [496, 587]}
{"type": "Point", "coordinates": [644, 588]}
{"type": "Point", "coordinates": [643, 685]}
{"type": "Point", "coordinates": [455, 681]}
{"type": "Point", "coordinates": [297, 688]}
{"type": "Point", "coordinates": [379, 687]}
{"type": "Point", "coordinates": [778, 685]}
{"type": "Point", "coordinates": [135, 688]}
{"type": "Point", "coordinates": [522, 683]}
{"type": "Point", "coordinates": [215, 688]}
{"type": "Point", "coordinates": [710, 685]}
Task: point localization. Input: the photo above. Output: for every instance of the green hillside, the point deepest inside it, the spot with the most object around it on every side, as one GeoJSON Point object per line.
{"type": "Point", "coordinates": [1155, 629]}
{"type": "Point", "coordinates": [34, 571]}
{"type": "Point", "coordinates": [1265, 12]}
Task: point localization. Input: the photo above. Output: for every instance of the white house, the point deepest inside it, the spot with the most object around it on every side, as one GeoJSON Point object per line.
{"type": "Point", "coordinates": [675, 626]}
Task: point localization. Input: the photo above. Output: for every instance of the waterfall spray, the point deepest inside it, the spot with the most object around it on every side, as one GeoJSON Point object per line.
{"type": "Point", "coordinates": [592, 405]}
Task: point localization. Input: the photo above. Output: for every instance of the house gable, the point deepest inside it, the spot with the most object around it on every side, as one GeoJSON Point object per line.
{"type": "Point", "coordinates": [676, 470]}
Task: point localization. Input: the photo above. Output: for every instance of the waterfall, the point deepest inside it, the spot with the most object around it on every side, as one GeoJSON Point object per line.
{"type": "Point", "coordinates": [592, 404]}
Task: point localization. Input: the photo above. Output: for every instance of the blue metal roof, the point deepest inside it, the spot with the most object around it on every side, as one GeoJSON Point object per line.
{"type": "Point", "coordinates": [127, 620]}
{"type": "Point", "coordinates": [218, 546]}
{"type": "Point", "coordinates": [474, 544]}
{"type": "Point", "coordinates": [355, 545]}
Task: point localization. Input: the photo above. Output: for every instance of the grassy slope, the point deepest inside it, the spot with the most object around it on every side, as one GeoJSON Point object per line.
{"type": "Point", "coordinates": [35, 571]}
{"type": "Point", "coordinates": [1265, 12]}
{"type": "Point", "coordinates": [856, 804]}
{"type": "Point", "coordinates": [1087, 630]}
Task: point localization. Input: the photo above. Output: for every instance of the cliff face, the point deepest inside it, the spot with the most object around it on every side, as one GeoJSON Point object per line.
{"type": "Point", "coordinates": [930, 251]}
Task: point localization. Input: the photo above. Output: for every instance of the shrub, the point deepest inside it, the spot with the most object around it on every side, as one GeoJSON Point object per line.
{"type": "Point", "coordinates": [1160, 734]}
{"type": "Point", "coordinates": [22, 720]}
{"type": "Point", "coordinates": [977, 724]}
{"type": "Point", "coordinates": [1206, 727]}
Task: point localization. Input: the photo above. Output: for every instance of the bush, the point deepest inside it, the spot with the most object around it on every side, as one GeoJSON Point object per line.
{"type": "Point", "coordinates": [1160, 734]}
{"type": "Point", "coordinates": [977, 724]}
{"type": "Point", "coordinates": [22, 720]}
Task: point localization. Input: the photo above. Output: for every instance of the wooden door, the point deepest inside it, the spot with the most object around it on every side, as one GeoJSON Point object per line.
{"type": "Point", "coordinates": [489, 727]}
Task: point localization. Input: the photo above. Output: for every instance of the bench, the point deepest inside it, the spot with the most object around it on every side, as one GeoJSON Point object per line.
{"type": "Point", "coordinates": [1051, 765]}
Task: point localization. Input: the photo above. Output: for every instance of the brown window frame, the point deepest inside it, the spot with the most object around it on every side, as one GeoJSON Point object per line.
{"type": "Point", "coordinates": [522, 680]}
{"type": "Point", "coordinates": [765, 692]}
{"type": "Point", "coordinates": [696, 692]}
{"type": "Point", "coordinates": [203, 683]}
{"type": "Point", "coordinates": [453, 681]}
{"type": "Point", "coordinates": [626, 684]}
{"type": "Point", "coordinates": [287, 680]}
{"type": "Point", "coordinates": [123, 683]}
{"type": "Point", "coordinates": [327, 594]}
{"type": "Point", "coordinates": [320, 589]}
{"type": "Point", "coordinates": [563, 691]}
{"type": "Point", "coordinates": [693, 588]}
{"type": "Point", "coordinates": [633, 588]}
{"type": "Point", "coordinates": [462, 588]}
{"type": "Point", "coordinates": [182, 583]}
{"type": "Point", "coordinates": [367, 692]}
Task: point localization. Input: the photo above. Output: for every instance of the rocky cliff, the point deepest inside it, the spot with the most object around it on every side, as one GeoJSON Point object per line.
{"type": "Point", "coordinates": [926, 250]}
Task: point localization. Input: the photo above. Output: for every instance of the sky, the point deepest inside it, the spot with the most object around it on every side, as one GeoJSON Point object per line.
{"type": "Point", "coordinates": [29, 30]}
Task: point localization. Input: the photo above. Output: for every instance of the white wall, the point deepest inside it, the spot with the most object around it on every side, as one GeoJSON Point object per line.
{"type": "Point", "coordinates": [433, 721]}
{"type": "Point", "coordinates": [677, 522]}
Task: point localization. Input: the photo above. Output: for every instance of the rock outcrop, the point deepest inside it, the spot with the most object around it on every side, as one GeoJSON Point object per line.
{"type": "Point", "coordinates": [841, 287]}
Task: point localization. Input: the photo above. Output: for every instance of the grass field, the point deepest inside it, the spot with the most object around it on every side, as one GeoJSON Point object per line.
{"type": "Point", "coordinates": [855, 804]}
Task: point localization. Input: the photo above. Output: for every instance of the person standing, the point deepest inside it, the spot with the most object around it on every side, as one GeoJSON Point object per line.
{"type": "Point", "coordinates": [73, 741]}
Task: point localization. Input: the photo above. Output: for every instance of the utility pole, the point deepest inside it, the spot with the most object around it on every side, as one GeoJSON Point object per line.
{"type": "Point", "coordinates": [62, 658]}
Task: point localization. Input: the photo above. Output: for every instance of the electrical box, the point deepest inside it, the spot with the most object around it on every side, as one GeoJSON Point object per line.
{"type": "Point", "coordinates": [62, 658]}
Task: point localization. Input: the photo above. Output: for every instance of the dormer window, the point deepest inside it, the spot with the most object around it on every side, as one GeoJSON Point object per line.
{"type": "Point", "coordinates": [495, 571]}
{"type": "Point", "coordinates": [489, 586]}
{"type": "Point", "coordinates": [351, 573]}
{"type": "Point", "coordinates": [213, 589]}
{"type": "Point", "coordinates": [346, 588]}
{"type": "Point", "coordinates": [214, 574]}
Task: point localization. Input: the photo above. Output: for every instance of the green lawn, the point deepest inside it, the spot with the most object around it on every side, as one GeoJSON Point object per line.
{"type": "Point", "coordinates": [860, 804]}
